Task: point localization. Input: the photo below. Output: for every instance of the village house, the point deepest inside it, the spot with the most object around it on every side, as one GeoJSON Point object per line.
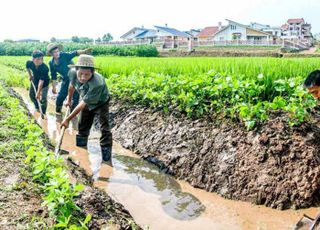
{"type": "Point", "coordinates": [164, 35]}
{"type": "Point", "coordinates": [238, 33]}
{"type": "Point", "coordinates": [297, 29]}
{"type": "Point", "coordinates": [233, 33]}
{"type": "Point", "coordinates": [158, 33]}
{"type": "Point", "coordinates": [194, 33]}
{"type": "Point", "coordinates": [209, 32]}
{"type": "Point", "coordinates": [131, 34]}
{"type": "Point", "coordinates": [275, 31]}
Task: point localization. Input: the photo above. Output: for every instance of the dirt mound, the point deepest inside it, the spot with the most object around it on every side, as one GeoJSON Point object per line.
{"type": "Point", "coordinates": [275, 165]}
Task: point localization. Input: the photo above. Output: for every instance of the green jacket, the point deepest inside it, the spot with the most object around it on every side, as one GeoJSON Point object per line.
{"type": "Point", "coordinates": [94, 92]}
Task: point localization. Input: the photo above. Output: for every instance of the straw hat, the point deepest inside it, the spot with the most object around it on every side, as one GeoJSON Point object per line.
{"type": "Point", "coordinates": [84, 61]}
{"type": "Point", "coordinates": [53, 46]}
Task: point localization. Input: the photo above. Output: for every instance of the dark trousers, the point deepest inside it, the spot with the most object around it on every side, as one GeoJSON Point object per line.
{"type": "Point", "coordinates": [43, 99]}
{"type": "Point", "coordinates": [86, 121]}
{"type": "Point", "coordinates": [63, 93]}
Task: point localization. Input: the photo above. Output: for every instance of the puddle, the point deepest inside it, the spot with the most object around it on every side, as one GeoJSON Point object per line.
{"type": "Point", "coordinates": [157, 200]}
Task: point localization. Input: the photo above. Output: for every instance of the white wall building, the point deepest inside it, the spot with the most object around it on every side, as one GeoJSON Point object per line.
{"type": "Point", "coordinates": [235, 31]}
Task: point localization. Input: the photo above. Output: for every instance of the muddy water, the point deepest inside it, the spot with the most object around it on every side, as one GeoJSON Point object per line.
{"type": "Point", "coordinates": [157, 200]}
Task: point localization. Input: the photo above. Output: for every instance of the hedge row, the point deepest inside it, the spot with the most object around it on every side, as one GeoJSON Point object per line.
{"type": "Point", "coordinates": [25, 49]}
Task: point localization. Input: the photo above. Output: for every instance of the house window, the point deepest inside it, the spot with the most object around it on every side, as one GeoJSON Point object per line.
{"type": "Point", "coordinates": [233, 27]}
{"type": "Point", "coordinates": [236, 36]}
{"type": "Point", "coordinates": [221, 38]}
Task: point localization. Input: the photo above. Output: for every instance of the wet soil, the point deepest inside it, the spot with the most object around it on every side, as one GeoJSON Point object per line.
{"type": "Point", "coordinates": [155, 199]}
{"type": "Point", "coordinates": [105, 212]}
{"type": "Point", "coordinates": [274, 165]}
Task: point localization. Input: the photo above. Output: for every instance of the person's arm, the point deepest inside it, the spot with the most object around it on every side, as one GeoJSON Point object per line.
{"type": "Point", "coordinates": [54, 87]}
{"type": "Point", "coordinates": [40, 86]}
{"type": "Point", "coordinates": [85, 51]}
{"type": "Point", "coordinates": [74, 113]}
{"type": "Point", "coordinates": [71, 90]}
{"type": "Point", "coordinates": [30, 74]}
{"type": "Point", "coordinates": [29, 70]}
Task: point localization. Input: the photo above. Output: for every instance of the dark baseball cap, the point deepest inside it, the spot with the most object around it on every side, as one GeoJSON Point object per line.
{"type": "Point", "coordinates": [37, 54]}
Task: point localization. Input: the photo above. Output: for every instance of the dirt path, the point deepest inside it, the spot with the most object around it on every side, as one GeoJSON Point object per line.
{"type": "Point", "coordinates": [312, 50]}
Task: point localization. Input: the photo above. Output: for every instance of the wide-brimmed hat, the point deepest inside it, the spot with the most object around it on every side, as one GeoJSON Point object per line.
{"type": "Point", "coordinates": [84, 61]}
{"type": "Point", "coordinates": [53, 46]}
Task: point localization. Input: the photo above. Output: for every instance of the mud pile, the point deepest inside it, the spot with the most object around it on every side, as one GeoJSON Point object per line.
{"type": "Point", "coordinates": [276, 165]}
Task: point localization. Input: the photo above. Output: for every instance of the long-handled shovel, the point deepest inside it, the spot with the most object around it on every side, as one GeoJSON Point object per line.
{"type": "Point", "coordinates": [39, 104]}
{"type": "Point", "coordinates": [57, 149]}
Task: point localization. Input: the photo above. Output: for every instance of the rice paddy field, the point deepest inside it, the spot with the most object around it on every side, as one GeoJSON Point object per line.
{"type": "Point", "coordinates": [245, 89]}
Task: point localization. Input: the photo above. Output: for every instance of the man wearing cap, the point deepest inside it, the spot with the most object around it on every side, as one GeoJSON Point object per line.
{"type": "Point", "coordinates": [94, 102]}
{"type": "Point", "coordinates": [39, 75]}
{"type": "Point", "coordinates": [59, 64]}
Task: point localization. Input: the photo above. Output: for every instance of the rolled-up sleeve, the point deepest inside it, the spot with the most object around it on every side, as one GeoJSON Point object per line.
{"type": "Point", "coordinates": [70, 55]}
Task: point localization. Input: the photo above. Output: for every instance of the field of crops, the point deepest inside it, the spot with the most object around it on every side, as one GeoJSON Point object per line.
{"type": "Point", "coordinates": [245, 89]}
{"type": "Point", "coordinates": [21, 49]}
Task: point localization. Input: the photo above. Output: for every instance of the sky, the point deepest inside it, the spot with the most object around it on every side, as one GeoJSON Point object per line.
{"type": "Point", "coordinates": [44, 19]}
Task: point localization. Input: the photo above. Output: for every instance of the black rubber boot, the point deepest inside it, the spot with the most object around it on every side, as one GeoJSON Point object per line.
{"type": "Point", "coordinates": [81, 141]}
{"type": "Point", "coordinates": [58, 110]}
{"type": "Point", "coordinates": [106, 152]}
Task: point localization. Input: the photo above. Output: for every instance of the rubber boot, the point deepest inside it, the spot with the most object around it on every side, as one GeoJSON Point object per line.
{"type": "Point", "coordinates": [106, 152]}
{"type": "Point", "coordinates": [58, 110]}
{"type": "Point", "coordinates": [81, 141]}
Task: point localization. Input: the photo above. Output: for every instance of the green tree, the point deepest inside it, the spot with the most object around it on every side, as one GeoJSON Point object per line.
{"type": "Point", "coordinates": [85, 40]}
{"type": "Point", "coordinates": [107, 37]}
{"type": "Point", "coordinates": [8, 40]}
{"type": "Point", "coordinates": [75, 39]}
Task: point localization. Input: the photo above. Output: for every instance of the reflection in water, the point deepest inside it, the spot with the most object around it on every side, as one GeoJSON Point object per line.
{"type": "Point", "coordinates": [155, 199]}
{"type": "Point", "coordinates": [177, 204]}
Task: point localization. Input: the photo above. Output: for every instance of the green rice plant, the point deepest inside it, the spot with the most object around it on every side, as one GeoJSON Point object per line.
{"type": "Point", "coordinates": [239, 88]}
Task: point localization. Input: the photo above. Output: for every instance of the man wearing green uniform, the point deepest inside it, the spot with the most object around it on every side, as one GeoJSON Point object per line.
{"type": "Point", "coordinates": [94, 102]}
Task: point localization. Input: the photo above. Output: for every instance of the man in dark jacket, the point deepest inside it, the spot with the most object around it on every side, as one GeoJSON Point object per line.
{"type": "Point", "coordinates": [59, 64]}
{"type": "Point", "coordinates": [94, 102]}
{"type": "Point", "coordinates": [39, 76]}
